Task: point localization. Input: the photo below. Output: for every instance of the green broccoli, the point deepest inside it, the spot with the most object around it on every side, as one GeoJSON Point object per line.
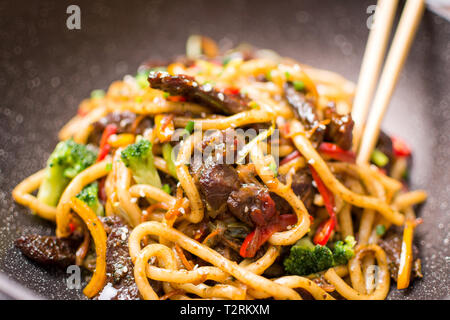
{"type": "Point", "coordinates": [305, 258]}
{"type": "Point", "coordinates": [66, 161]}
{"type": "Point", "coordinates": [139, 158]}
{"type": "Point", "coordinates": [89, 195]}
{"type": "Point", "coordinates": [343, 251]}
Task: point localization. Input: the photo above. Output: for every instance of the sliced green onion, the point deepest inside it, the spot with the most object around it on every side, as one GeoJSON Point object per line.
{"type": "Point", "coordinates": [97, 94]}
{"type": "Point", "coordinates": [269, 75]}
{"type": "Point", "coordinates": [189, 127]}
{"type": "Point", "coordinates": [405, 175]}
{"type": "Point", "coordinates": [108, 167]}
{"type": "Point", "coordinates": [380, 229]}
{"type": "Point", "coordinates": [379, 158]}
{"type": "Point", "coordinates": [288, 75]}
{"type": "Point", "coordinates": [167, 155]}
{"type": "Point", "coordinates": [253, 105]}
{"type": "Point", "coordinates": [226, 60]}
{"type": "Point", "coordinates": [299, 85]}
{"type": "Point", "coordinates": [166, 188]}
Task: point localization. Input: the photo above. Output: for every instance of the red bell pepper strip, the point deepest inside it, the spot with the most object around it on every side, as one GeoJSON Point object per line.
{"type": "Point", "coordinates": [246, 250]}
{"type": "Point", "coordinates": [323, 233]}
{"type": "Point", "coordinates": [401, 148]}
{"type": "Point", "coordinates": [260, 235]}
{"type": "Point", "coordinates": [104, 146]}
{"type": "Point", "coordinates": [290, 157]}
{"type": "Point", "coordinates": [335, 152]}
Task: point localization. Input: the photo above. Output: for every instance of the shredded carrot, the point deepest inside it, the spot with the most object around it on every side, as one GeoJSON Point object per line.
{"type": "Point", "coordinates": [316, 126]}
{"type": "Point", "coordinates": [175, 210]}
{"type": "Point", "coordinates": [185, 261]}
{"type": "Point", "coordinates": [211, 235]}
{"type": "Point", "coordinates": [171, 294]}
{"type": "Point", "coordinates": [136, 123]}
{"type": "Point", "coordinates": [151, 208]}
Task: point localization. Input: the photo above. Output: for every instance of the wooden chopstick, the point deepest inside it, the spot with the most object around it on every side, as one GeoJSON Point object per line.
{"type": "Point", "coordinates": [371, 65]}
{"type": "Point", "coordinates": [395, 60]}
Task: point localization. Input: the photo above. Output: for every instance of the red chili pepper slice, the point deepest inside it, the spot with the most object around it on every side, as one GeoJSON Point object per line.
{"type": "Point", "coordinates": [232, 90]}
{"type": "Point", "coordinates": [260, 235]}
{"type": "Point", "coordinates": [324, 231]}
{"type": "Point", "coordinates": [401, 148]}
{"type": "Point", "coordinates": [245, 251]}
{"type": "Point", "coordinates": [104, 146]}
{"type": "Point", "coordinates": [176, 98]}
{"type": "Point", "coordinates": [72, 227]}
{"type": "Point", "coordinates": [335, 152]}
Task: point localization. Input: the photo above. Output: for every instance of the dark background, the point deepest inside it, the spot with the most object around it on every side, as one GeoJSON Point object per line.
{"type": "Point", "coordinates": [46, 70]}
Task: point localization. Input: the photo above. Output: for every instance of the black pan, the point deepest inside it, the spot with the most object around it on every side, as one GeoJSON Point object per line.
{"type": "Point", "coordinates": [46, 70]}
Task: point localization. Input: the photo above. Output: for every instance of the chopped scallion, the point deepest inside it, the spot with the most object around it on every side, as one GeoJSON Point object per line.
{"type": "Point", "coordinates": [379, 158]}
{"type": "Point", "coordinates": [380, 229]}
{"type": "Point", "coordinates": [97, 94]}
{"type": "Point", "coordinates": [189, 127]}
{"type": "Point", "coordinates": [299, 85]}
{"type": "Point", "coordinates": [166, 188]}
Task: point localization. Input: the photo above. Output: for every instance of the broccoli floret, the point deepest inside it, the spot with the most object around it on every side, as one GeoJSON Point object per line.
{"type": "Point", "coordinates": [89, 195]}
{"type": "Point", "coordinates": [305, 258]}
{"type": "Point", "coordinates": [343, 251]}
{"type": "Point", "coordinates": [139, 158]}
{"type": "Point", "coordinates": [66, 161]}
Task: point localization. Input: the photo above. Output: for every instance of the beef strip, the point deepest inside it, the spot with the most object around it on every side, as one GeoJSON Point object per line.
{"type": "Point", "coordinates": [186, 86]}
{"type": "Point", "coordinates": [304, 110]}
{"type": "Point", "coordinates": [124, 122]}
{"type": "Point", "coordinates": [49, 250]}
{"type": "Point", "coordinates": [392, 245]}
{"type": "Point", "coordinates": [120, 282]}
{"type": "Point", "coordinates": [252, 205]}
{"type": "Point", "coordinates": [302, 187]}
{"type": "Point", "coordinates": [340, 128]}
{"type": "Point", "coordinates": [216, 182]}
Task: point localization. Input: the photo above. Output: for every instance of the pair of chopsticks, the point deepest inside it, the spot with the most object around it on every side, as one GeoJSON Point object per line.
{"type": "Point", "coordinates": [365, 135]}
